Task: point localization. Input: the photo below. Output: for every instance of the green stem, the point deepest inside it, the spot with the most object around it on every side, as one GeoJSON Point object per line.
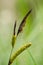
{"type": "Point", "coordinates": [10, 55]}
{"type": "Point", "coordinates": [13, 43]}
{"type": "Point", "coordinates": [32, 58]}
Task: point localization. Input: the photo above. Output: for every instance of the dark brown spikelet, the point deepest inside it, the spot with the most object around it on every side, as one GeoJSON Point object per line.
{"type": "Point", "coordinates": [23, 22]}
{"type": "Point", "coordinates": [14, 28]}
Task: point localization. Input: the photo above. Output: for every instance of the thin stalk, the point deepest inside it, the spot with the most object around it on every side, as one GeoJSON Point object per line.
{"type": "Point", "coordinates": [32, 58]}
{"type": "Point", "coordinates": [10, 55]}
{"type": "Point", "coordinates": [13, 43]}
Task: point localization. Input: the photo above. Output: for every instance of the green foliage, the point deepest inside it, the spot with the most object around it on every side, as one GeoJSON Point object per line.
{"type": "Point", "coordinates": [33, 31]}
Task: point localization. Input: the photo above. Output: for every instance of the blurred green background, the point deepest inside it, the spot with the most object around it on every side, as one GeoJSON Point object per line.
{"type": "Point", "coordinates": [32, 32]}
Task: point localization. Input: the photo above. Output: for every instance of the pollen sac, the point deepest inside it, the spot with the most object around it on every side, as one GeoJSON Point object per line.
{"type": "Point", "coordinates": [23, 22]}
